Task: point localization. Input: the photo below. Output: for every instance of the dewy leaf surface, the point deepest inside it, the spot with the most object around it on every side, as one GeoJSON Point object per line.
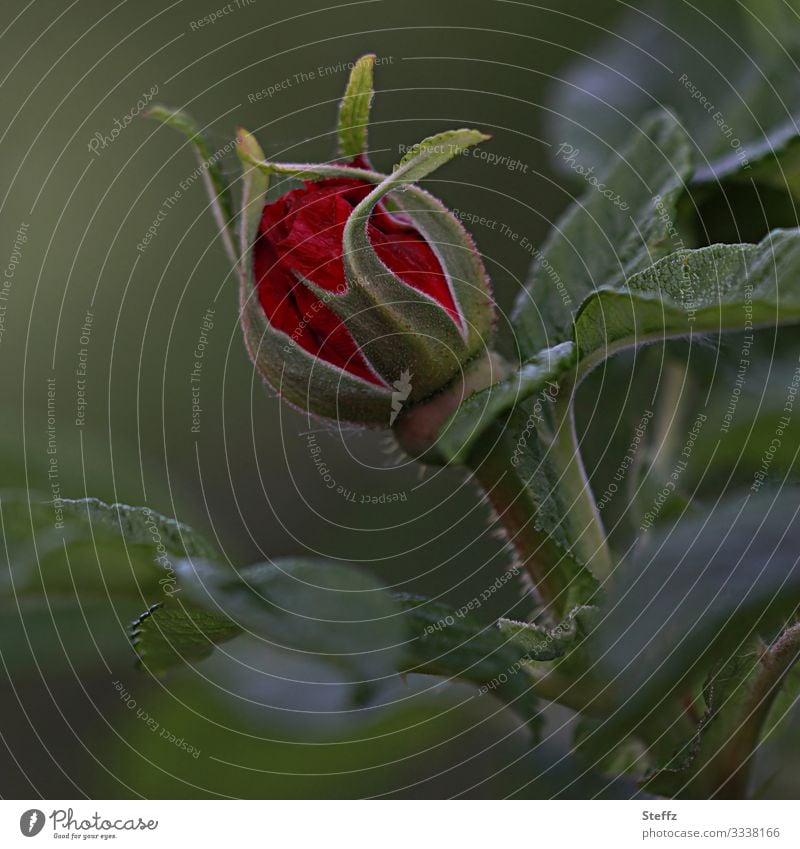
{"type": "Point", "coordinates": [708, 290]}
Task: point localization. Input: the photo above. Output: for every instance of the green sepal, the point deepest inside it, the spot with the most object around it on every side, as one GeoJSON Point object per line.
{"type": "Point", "coordinates": [354, 108]}
{"type": "Point", "coordinates": [255, 184]}
{"type": "Point", "coordinates": [301, 378]}
{"type": "Point", "coordinates": [428, 343]}
{"type": "Point", "coordinates": [444, 232]}
{"type": "Point", "coordinates": [312, 170]}
{"type": "Point", "coordinates": [424, 337]}
{"type": "Point", "coordinates": [219, 193]}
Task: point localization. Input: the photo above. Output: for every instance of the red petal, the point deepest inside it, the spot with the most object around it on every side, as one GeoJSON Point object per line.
{"type": "Point", "coordinates": [291, 308]}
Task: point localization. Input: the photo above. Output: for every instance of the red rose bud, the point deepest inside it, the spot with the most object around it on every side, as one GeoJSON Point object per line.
{"type": "Point", "coordinates": [300, 241]}
{"type": "Point", "coordinates": [355, 308]}
{"type": "Point", "coordinates": [361, 294]}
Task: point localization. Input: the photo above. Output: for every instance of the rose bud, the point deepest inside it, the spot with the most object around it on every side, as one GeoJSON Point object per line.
{"type": "Point", "coordinates": [361, 294]}
{"type": "Point", "coordinates": [336, 335]}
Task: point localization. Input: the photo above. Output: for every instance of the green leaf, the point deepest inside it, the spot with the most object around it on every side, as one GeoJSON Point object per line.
{"type": "Point", "coordinates": [425, 157]}
{"type": "Point", "coordinates": [622, 224]}
{"type": "Point", "coordinates": [558, 661]}
{"type": "Point", "coordinates": [255, 184]}
{"type": "Point", "coordinates": [344, 754]}
{"type": "Point", "coordinates": [546, 644]}
{"type": "Point", "coordinates": [65, 636]}
{"type": "Point", "coordinates": [140, 526]}
{"type": "Point", "coordinates": [774, 161]}
{"type": "Point", "coordinates": [171, 634]}
{"type": "Point", "coordinates": [85, 548]}
{"type": "Point", "coordinates": [208, 161]}
{"type": "Point", "coordinates": [307, 606]}
{"type": "Point", "coordinates": [708, 290]}
{"type": "Point", "coordinates": [355, 106]}
{"type": "Point", "coordinates": [475, 414]}
{"type": "Point", "coordinates": [444, 642]}
{"type": "Point", "coordinates": [692, 591]}
{"type": "Point", "coordinates": [727, 70]}
{"type": "Point", "coordinates": [541, 476]}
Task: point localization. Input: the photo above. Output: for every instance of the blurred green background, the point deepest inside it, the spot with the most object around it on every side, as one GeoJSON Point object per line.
{"type": "Point", "coordinates": [246, 480]}
{"type": "Point", "coordinates": [78, 68]}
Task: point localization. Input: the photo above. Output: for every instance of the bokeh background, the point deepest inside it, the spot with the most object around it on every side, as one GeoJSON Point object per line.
{"type": "Point", "coordinates": [246, 480]}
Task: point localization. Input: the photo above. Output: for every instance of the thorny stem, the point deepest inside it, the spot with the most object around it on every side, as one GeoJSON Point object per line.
{"type": "Point", "coordinates": [554, 572]}
{"type": "Point", "coordinates": [508, 490]}
{"type": "Point", "coordinates": [508, 493]}
{"type": "Point", "coordinates": [548, 565]}
{"type": "Point", "coordinates": [729, 772]}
